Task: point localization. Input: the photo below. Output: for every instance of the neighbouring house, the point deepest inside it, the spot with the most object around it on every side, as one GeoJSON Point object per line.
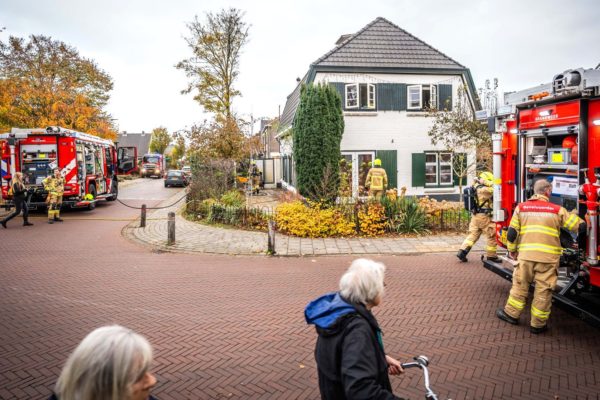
{"type": "Point", "coordinates": [269, 160]}
{"type": "Point", "coordinates": [140, 140]}
{"type": "Point", "coordinates": [268, 139]}
{"type": "Point", "coordinates": [387, 78]}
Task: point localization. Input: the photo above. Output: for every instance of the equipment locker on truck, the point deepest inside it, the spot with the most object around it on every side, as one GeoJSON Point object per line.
{"type": "Point", "coordinates": [553, 131]}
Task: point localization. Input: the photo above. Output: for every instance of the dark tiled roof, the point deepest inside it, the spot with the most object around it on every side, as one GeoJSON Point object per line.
{"type": "Point", "coordinates": [287, 116]}
{"type": "Point", "coordinates": [384, 44]}
{"type": "Point", "coordinates": [379, 45]}
{"type": "Point", "coordinates": [139, 140]}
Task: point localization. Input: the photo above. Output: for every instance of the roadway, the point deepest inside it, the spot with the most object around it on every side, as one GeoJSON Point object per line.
{"type": "Point", "coordinates": [233, 327]}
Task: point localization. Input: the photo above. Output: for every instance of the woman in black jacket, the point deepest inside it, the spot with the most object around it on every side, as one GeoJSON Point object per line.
{"type": "Point", "coordinates": [351, 360]}
{"type": "Point", "coordinates": [20, 200]}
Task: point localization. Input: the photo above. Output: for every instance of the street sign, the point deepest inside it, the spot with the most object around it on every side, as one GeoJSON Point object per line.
{"type": "Point", "coordinates": [481, 115]}
{"type": "Point", "coordinates": [505, 110]}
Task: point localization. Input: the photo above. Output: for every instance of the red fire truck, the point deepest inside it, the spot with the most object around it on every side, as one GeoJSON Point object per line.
{"type": "Point", "coordinates": [153, 164]}
{"type": "Point", "coordinates": [553, 131]}
{"type": "Point", "coordinates": [89, 164]}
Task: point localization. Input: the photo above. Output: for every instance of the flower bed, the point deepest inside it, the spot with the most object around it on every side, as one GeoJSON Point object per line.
{"type": "Point", "coordinates": [389, 216]}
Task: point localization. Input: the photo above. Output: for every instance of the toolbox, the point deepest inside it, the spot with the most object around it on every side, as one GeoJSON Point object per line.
{"type": "Point", "coordinates": [559, 155]}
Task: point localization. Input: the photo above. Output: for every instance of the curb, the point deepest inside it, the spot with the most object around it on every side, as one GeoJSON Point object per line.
{"type": "Point", "coordinates": [158, 244]}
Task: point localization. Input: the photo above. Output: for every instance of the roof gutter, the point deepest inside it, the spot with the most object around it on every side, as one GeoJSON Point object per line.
{"type": "Point", "coordinates": [284, 132]}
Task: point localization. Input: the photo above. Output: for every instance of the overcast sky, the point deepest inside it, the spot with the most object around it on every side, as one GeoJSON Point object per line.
{"type": "Point", "coordinates": [138, 42]}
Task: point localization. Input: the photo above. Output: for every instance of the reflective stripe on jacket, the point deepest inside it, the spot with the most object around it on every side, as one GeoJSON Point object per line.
{"type": "Point", "coordinates": [376, 179]}
{"type": "Point", "coordinates": [54, 185]}
{"type": "Point", "coordinates": [538, 223]}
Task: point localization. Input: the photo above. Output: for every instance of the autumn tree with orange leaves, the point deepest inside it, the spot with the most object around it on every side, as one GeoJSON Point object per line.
{"type": "Point", "coordinates": [45, 82]}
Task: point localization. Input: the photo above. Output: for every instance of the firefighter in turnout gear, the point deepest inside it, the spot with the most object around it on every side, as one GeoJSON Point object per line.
{"type": "Point", "coordinates": [255, 175]}
{"type": "Point", "coordinates": [481, 222]}
{"type": "Point", "coordinates": [533, 238]}
{"type": "Point", "coordinates": [376, 180]}
{"type": "Point", "coordinates": [55, 186]}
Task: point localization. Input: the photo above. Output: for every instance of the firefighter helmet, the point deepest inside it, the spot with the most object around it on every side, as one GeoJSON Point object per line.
{"type": "Point", "coordinates": [569, 142]}
{"type": "Point", "coordinates": [486, 176]}
{"type": "Point", "coordinates": [377, 162]}
{"type": "Point", "coordinates": [88, 197]}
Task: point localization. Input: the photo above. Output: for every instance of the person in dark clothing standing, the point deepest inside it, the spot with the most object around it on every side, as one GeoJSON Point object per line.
{"type": "Point", "coordinates": [19, 193]}
{"type": "Point", "coordinates": [350, 356]}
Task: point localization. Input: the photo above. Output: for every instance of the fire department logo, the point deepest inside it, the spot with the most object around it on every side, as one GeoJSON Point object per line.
{"type": "Point", "coordinates": [546, 115]}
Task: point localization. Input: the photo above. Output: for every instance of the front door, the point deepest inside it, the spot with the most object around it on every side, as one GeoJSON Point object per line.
{"type": "Point", "coordinates": [355, 167]}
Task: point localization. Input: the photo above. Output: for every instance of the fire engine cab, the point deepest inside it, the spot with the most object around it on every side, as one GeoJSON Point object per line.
{"type": "Point", "coordinates": [553, 131]}
{"type": "Point", "coordinates": [88, 164]}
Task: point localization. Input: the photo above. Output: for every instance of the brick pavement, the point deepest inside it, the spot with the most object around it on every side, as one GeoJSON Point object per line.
{"type": "Point", "coordinates": [232, 327]}
{"type": "Point", "coordinates": [192, 237]}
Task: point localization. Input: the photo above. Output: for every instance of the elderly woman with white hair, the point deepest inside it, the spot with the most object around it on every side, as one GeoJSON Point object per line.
{"type": "Point", "coordinates": [351, 360]}
{"type": "Point", "coordinates": [111, 363]}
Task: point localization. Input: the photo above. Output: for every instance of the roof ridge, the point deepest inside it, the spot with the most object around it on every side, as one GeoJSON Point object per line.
{"type": "Point", "coordinates": [420, 40]}
{"type": "Point", "coordinates": [370, 24]}
{"type": "Point", "coordinates": [354, 35]}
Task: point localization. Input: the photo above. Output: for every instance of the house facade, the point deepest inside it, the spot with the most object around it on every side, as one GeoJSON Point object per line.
{"type": "Point", "coordinates": [387, 79]}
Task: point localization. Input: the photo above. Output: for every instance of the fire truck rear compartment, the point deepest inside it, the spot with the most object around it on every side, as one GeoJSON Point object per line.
{"type": "Point", "coordinates": [37, 161]}
{"type": "Point", "coordinates": [545, 157]}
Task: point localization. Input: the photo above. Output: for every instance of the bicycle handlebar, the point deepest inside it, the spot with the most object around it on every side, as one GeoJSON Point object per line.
{"type": "Point", "coordinates": [422, 362]}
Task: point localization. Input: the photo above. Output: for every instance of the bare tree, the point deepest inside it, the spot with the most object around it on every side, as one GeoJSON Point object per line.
{"type": "Point", "coordinates": [214, 67]}
{"type": "Point", "coordinates": [458, 131]}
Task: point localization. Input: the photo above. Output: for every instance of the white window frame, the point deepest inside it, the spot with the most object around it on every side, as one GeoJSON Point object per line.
{"type": "Point", "coordinates": [355, 167]}
{"type": "Point", "coordinates": [433, 96]}
{"type": "Point", "coordinates": [371, 96]}
{"type": "Point", "coordinates": [420, 91]}
{"type": "Point", "coordinates": [357, 98]}
{"type": "Point", "coordinates": [437, 168]}
{"type": "Point", "coordinates": [446, 163]}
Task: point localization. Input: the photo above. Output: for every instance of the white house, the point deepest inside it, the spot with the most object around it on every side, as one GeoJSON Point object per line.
{"type": "Point", "coordinates": [386, 78]}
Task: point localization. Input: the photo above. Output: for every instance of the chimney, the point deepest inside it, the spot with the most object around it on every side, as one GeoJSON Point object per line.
{"type": "Point", "coordinates": [342, 39]}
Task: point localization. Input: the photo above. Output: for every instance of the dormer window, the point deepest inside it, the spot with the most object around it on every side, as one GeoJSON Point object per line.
{"type": "Point", "coordinates": [360, 96]}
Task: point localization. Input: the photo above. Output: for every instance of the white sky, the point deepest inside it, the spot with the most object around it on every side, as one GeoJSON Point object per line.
{"type": "Point", "coordinates": [521, 42]}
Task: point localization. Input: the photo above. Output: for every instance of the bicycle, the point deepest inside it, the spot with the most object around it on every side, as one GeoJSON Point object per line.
{"type": "Point", "coordinates": [422, 362]}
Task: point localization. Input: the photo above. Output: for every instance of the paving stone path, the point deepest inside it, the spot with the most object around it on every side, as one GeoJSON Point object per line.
{"type": "Point", "coordinates": [192, 237]}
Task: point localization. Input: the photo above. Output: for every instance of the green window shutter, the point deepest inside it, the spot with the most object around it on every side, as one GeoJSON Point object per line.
{"type": "Point", "coordinates": [445, 97]}
{"type": "Point", "coordinates": [463, 162]}
{"type": "Point", "coordinates": [402, 96]}
{"type": "Point", "coordinates": [391, 96]}
{"type": "Point", "coordinates": [418, 169]}
{"type": "Point", "coordinates": [341, 88]}
{"type": "Point", "coordinates": [389, 162]}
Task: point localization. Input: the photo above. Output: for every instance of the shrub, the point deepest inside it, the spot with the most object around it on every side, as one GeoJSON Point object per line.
{"type": "Point", "coordinates": [317, 134]}
{"type": "Point", "coordinates": [212, 179]}
{"type": "Point", "coordinates": [412, 218]}
{"type": "Point", "coordinates": [372, 219]}
{"type": "Point", "coordinates": [312, 220]}
{"type": "Point", "coordinates": [233, 198]}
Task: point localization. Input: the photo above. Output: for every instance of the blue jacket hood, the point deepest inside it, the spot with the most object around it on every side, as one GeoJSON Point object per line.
{"type": "Point", "coordinates": [324, 311]}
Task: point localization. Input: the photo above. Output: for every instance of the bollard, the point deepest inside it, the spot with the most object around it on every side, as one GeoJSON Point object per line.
{"type": "Point", "coordinates": [271, 238]}
{"type": "Point", "coordinates": [171, 228]}
{"type": "Point", "coordinates": [143, 217]}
